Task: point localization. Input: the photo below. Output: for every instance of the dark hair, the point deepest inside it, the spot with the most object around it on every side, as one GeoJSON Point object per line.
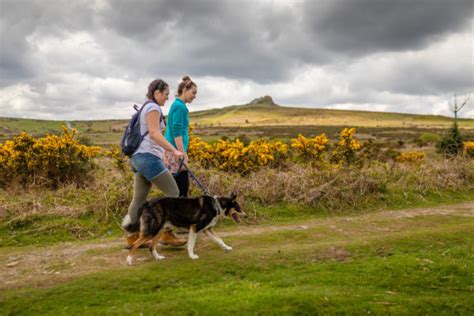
{"type": "Point", "coordinates": [157, 84]}
{"type": "Point", "coordinates": [186, 84]}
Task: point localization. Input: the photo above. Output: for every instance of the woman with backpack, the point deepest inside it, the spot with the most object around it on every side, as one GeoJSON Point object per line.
{"type": "Point", "coordinates": [177, 128]}
{"type": "Point", "coordinates": [147, 162]}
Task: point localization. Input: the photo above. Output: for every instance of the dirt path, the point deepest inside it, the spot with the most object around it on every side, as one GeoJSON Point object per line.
{"type": "Point", "coordinates": [48, 265]}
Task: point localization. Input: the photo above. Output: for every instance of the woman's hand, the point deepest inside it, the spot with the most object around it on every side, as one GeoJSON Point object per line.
{"type": "Point", "coordinates": [179, 154]}
{"type": "Point", "coordinates": [185, 161]}
{"type": "Point", "coordinates": [182, 157]}
{"type": "Point", "coordinates": [179, 145]}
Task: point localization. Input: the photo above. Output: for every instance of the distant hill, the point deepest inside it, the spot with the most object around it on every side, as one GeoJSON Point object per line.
{"type": "Point", "coordinates": [258, 113]}
{"type": "Point", "coordinates": [264, 112]}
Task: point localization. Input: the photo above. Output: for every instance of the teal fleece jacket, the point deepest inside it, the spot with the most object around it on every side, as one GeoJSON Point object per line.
{"type": "Point", "coordinates": [177, 123]}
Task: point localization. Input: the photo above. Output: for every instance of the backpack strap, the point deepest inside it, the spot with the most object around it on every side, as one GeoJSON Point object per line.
{"type": "Point", "coordinates": [139, 113]}
{"type": "Point", "coordinates": [162, 118]}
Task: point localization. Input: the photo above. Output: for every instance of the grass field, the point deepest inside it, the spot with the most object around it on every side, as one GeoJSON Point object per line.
{"type": "Point", "coordinates": [416, 261]}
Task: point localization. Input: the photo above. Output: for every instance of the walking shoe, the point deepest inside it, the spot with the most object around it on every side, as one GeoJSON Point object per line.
{"type": "Point", "coordinates": [169, 239]}
{"type": "Point", "coordinates": [132, 238]}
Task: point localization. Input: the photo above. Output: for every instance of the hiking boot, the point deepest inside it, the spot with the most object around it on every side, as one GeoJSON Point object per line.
{"type": "Point", "coordinates": [169, 239]}
{"type": "Point", "coordinates": [132, 238]}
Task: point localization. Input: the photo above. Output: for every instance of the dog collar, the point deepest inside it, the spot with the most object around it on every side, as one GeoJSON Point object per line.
{"type": "Point", "coordinates": [218, 207]}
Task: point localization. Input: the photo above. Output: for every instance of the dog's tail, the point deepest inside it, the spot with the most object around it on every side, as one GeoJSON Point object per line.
{"type": "Point", "coordinates": [127, 224]}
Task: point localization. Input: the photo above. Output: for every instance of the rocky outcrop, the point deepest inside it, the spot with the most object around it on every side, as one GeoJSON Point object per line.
{"type": "Point", "coordinates": [265, 100]}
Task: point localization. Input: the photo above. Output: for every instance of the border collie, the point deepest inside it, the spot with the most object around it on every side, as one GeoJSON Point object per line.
{"type": "Point", "coordinates": [194, 214]}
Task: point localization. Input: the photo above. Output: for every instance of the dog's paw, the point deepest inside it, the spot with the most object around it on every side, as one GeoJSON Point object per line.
{"type": "Point", "coordinates": [157, 256]}
{"type": "Point", "coordinates": [194, 257]}
{"type": "Point", "coordinates": [227, 248]}
{"type": "Point", "coordinates": [129, 260]}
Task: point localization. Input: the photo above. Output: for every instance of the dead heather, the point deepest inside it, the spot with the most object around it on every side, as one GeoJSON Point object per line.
{"type": "Point", "coordinates": [353, 188]}
{"type": "Point", "coordinates": [39, 216]}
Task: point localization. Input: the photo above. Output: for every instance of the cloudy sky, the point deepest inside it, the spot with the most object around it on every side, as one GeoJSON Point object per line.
{"type": "Point", "coordinates": [92, 59]}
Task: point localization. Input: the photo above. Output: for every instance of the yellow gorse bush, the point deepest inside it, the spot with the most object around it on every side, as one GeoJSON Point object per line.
{"type": "Point", "coordinates": [228, 155]}
{"type": "Point", "coordinates": [347, 140]}
{"type": "Point", "coordinates": [469, 149]}
{"type": "Point", "coordinates": [199, 150]}
{"type": "Point", "coordinates": [310, 149]}
{"type": "Point", "coordinates": [49, 160]}
{"type": "Point", "coordinates": [263, 153]}
{"type": "Point", "coordinates": [345, 150]}
{"type": "Point", "coordinates": [117, 155]}
{"type": "Point", "coordinates": [236, 156]}
{"type": "Point", "coordinates": [411, 156]}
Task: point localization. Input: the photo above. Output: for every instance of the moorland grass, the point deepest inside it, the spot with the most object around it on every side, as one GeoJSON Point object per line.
{"type": "Point", "coordinates": [419, 265]}
{"type": "Point", "coordinates": [42, 230]}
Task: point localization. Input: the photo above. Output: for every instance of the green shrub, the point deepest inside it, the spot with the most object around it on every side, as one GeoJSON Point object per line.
{"type": "Point", "coordinates": [430, 138]}
{"type": "Point", "coordinates": [452, 143]}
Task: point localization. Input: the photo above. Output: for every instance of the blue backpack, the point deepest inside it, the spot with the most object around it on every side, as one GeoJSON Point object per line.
{"type": "Point", "coordinates": [132, 137]}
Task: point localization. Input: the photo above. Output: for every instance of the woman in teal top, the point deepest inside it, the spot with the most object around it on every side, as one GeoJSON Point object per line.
{"type": "Point", "coordinates": [177, 134]}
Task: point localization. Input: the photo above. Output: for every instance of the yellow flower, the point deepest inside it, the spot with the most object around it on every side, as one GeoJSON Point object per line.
{"type": "Point", "coordinates": [52, 159]}
{"type": "Point", "coordinates": [469, 149]}
{"type": "Point", "coordinates": [411, 156]}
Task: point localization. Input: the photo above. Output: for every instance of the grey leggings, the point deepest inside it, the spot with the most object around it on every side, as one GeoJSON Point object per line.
{"type": "Point", "coordinates": [141, 187]}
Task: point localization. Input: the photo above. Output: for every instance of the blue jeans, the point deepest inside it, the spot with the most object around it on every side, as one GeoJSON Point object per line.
{"type": "Point", "coordinates": [148, 165]}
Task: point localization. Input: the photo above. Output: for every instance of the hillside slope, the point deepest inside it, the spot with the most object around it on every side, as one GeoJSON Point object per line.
{"type": "Point", "coordinates": [248, 116]}
{"type": "Point", "coordinates": [268, 115]}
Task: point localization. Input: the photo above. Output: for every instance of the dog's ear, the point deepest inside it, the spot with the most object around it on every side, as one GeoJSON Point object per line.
{"type": "Point", "coordinates": [233, 196]}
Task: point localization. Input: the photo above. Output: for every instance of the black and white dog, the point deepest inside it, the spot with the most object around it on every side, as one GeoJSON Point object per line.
{"type": "Point", "coordinates": [196, 214]}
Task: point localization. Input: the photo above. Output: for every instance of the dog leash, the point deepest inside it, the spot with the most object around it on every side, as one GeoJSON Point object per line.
{"type": "Point", "coordinates": [199, 183]}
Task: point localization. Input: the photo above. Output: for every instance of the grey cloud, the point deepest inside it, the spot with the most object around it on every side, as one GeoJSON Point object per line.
{"type": "Point", "coordinates": [13, 69]}
{"type": "Point", "coordinates": [425, 74]}
{"type": "Point", "coordinates": [13, 44]}
{"type": "Point", "coordinates": [427, 80]}
{"type": "Point", "coordinates": [20, 19]}
{"type": "Point", "coordinates": [366, 26]}
{"type": "Point", "coordinates": [242, 40]}
{"type": "Point", "coordinates": [202, 38]}
{"type": "Point", "coordinates": [252, 41]}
